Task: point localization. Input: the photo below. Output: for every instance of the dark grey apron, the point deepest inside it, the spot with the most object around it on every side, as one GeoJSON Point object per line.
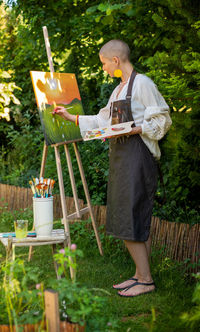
{"type": "Point", "coordinates": [132, 183]}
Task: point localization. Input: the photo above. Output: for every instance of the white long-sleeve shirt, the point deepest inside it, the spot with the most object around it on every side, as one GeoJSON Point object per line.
{"type": "Point", "coordinates": [149, 109]}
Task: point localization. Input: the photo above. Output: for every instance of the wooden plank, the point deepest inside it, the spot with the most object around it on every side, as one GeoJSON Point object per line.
{"type": "Point", "coordinates": [24, 199]}
{"type": "Point", "coordinates": [9, 248]}
{"type": "Point", "coordinates": [57, 234]}
{"type": "Point", "coordinates": [102, 215]}
{"type": "Point", "coordinates": [71, 141]}
{"type": "Point", "coordinates": [63, 201]}
{"type": "Point", "coordinates": [37, 244]}
{"type": "Point", "coordinates": [18, 198]}
{"type": "Point", "coordinates": [12, 198]}
{"type": "Point", "coordinates": [177, 242]}
{"type": "Point", "coordinates": [157, 231]}
{"type": "Point", "coordinates": [7, 195]}
{"type": "Point", "coordinates": [30, 198]}
{"type": "Point", "coordinates": [41, 239]}
{"type": "Point", "coordinates": [48, 48]}
{"type": "Point", "coordinates": [52, 311]}
{"type": "Point", "coordinates": [61, 187]}
{"type": "Point", "coordinates": [72, 179]}
{"type": "Point", "coordinates": [76, 216]}
{"type": "Point", "coordinates": [44, 158]}
{"type": "Point", "coordinates": [28, 243]}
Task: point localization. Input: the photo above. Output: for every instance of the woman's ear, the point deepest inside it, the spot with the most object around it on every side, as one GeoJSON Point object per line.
{"type": "Point", "coordinates": [116, 60]}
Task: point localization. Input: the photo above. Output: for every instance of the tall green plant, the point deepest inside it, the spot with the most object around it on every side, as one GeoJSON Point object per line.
{"type": "Point", "coordinates": [19, 303]}
{"type": "Point", "coordinates": [192, 318]}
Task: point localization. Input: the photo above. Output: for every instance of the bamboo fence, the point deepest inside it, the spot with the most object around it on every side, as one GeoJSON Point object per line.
{"type": "Point", "coordinates": [179, 241]}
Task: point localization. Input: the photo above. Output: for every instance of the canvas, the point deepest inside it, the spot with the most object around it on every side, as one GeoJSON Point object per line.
{"type": "Point", "coordinates": [57, 89]}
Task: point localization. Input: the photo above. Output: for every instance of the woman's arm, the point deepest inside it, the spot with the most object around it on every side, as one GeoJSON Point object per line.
{"type": "Point", "coordinates": [134, 131]}
{"type": "Point", "coordinates": [71, 117]}
{"type": "Point", "coordinates": [157, 120]}
{"type": "Point", "coordinates": [60, 110]}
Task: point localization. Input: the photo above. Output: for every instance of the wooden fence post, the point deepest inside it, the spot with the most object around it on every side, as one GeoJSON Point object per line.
{"type": "Point", "coordinates": [52, 311]}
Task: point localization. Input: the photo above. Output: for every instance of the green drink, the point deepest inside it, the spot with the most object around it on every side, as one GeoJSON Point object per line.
{"type": "Point", "coordinates": [21, 228]}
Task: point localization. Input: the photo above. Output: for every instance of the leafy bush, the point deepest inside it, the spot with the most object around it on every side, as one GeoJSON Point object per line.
{"type": "Point", "coordinates": [163, 37]}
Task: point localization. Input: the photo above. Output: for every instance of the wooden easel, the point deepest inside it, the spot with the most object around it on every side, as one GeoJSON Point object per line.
{"type": "Point", "coordinates": [79, 212]}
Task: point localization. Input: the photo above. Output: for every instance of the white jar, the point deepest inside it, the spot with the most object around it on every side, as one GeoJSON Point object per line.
{"type": "Point", "coordinates": [43, 216]}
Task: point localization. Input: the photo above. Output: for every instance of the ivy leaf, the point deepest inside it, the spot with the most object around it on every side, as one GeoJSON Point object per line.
{"type": "Point", "coordinates": [108, 11]}
{"type": "Point", "coordinates": [131, 12]}
{"type": "Point", "coordinates": [15, 100]}
{"type": "Point", "coordinates": [97, 19]}
{"type": "Point", "coordinates": [91, 10]}
{"type": "Point", "coordinates": [103, 7]}
{"type": "Point", "coordinates": [108, 20]}
{"type": "Point", "coordinates": [5, 74]}
{"type": "Point", "coordinates": [6, 98]}
{"type": "Point", "coordinates": [158, 20]}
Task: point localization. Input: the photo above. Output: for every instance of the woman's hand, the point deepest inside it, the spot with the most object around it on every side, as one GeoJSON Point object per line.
{"type": "Point", "coordinates": [60, 110]}
{"type": "Point", "coordinates": [134, 131]}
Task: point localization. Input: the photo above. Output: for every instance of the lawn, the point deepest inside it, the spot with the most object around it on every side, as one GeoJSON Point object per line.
{"type": "Point", "coordinates": [159, 311]}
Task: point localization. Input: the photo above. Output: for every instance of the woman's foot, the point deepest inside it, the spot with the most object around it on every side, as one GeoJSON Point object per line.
{"type": "Point", "coordinates": [138, 288]}
{"type": "Point", "coordinates": [125, 284]}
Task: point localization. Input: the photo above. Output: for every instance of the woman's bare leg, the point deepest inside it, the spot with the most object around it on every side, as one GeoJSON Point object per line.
{"type": "Point", "coordinates": [139, 253]}
{"type": "Point", "coordinates": [136, 275]}
{"type": "Point", "coordinates": [148, 248]}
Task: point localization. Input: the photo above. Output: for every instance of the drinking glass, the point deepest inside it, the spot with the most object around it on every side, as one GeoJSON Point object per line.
{"type": "Point", "coordinates": [21, 228]}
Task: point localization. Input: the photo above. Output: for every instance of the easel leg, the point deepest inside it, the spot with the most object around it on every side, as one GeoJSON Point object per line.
{"type": "Point", "coordinates": [63, 200]}
{"type": "Point", "coordinates": [87, 196]}
{"type": "Point", "coordinates": [73, 184]}
{"type": "Point", "coordinates": [9, 250]}
{"type": "Point", "coordinates": [44, 158]}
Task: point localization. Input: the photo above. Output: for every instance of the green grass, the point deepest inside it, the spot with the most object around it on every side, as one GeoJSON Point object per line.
{"type": "Point", "coordinates": [174, 288]}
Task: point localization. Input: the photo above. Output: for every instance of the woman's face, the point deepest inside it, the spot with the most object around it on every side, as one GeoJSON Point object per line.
{"type": "Point", "coordinates": [109, 65]}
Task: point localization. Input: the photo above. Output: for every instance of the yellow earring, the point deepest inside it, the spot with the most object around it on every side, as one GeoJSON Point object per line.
{"type": "Point", "coordinates": [118, 73]}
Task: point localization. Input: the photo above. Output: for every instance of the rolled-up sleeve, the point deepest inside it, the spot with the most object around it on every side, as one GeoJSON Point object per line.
{"type": "Point", "coordinates": [157, 120]}
{"type": "Point", "coordinates": [89, 122]}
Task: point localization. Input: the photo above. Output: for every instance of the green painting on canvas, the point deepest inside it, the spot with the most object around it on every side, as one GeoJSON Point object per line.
{"type": "Point", "coordinates": [57, 89]}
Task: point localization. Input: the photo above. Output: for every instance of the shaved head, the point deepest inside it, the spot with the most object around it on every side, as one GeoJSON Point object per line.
{"type": "Point", "coordinates": [116, 47]}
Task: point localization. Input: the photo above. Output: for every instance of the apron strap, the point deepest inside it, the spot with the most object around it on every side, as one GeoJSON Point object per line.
{"type": "Point", "coordinates": [130, 85]}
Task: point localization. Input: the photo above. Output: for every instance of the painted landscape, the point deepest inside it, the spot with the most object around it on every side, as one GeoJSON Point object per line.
{"type": "Point", "coordinates": [57, 89]}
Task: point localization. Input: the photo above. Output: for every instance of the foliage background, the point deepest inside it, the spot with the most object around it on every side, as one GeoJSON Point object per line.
{"type": "Point", "coordinates": [164, 39]}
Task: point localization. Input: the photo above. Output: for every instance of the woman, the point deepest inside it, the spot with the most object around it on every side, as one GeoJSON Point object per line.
{"type": "Point", "coordinates": [133, 169]}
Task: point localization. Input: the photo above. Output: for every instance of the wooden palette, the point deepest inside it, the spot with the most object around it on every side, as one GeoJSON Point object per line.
{"type": "Point", "coordinates": [109, 132]}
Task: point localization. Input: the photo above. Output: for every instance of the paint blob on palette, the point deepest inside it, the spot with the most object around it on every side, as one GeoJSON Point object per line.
{"type": "Point", "coordinates": [109, 132]}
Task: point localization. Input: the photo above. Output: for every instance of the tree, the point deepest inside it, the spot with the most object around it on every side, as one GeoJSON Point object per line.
{"type": "Point", "coordinates": [164, 39]}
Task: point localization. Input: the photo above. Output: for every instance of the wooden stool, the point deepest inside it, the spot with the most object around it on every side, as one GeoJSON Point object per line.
{"type": "Point", "coordinates": [58, 236]}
